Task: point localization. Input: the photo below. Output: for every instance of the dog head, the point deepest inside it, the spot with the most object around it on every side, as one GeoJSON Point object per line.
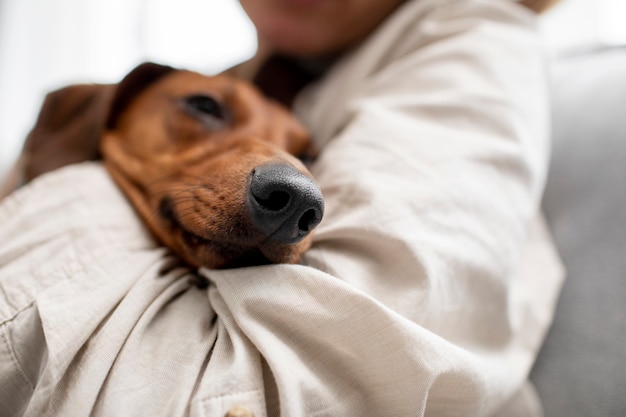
{"type": "Point", "coordinates": [210, 166]}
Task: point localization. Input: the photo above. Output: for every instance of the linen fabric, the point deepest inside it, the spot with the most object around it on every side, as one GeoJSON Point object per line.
{"type": "Point", "coordinates": [427, 292]}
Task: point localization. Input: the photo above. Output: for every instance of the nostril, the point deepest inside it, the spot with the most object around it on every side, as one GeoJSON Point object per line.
{"type": "Point", "coordinates": [276, 201]}
{"type": "Point", "coordinates": [283, 203]}
{"type": "Point", "coordinates": [308, 221]}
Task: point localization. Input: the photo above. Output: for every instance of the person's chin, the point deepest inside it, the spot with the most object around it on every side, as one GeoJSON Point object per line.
{"type": "Point", "coordinates": [292, 37]}
{"type": "Point", "coordinates": [305, 4]}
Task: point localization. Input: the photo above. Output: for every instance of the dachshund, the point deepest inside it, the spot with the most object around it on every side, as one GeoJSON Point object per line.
{"type": "Point", "coordinates": [210, 165]}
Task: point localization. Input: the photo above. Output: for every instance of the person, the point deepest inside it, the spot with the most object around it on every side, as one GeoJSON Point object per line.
{"type": "Point", "coordinates": [431, 281]}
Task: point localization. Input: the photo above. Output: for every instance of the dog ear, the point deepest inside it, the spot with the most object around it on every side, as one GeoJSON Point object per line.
{"type": "Point", "coordinates": [134, 83]}
{"type": "Point", "coordinates": [72, 119]}
{"type": "Point", "coordinates": [67, 129]}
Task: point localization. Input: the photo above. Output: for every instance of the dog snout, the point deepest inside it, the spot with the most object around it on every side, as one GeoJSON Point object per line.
{"type": "Point", "coordinates": [284, 203]}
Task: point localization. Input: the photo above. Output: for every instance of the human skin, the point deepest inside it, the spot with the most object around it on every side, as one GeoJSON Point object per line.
{"type": "Point", "coordinates": [310, 28]}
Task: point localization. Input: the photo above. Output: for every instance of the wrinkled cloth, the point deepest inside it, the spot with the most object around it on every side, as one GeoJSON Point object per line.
{"type": "Point", "coordinates": [428, 290]}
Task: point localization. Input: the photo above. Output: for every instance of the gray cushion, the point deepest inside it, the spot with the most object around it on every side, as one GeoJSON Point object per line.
{"type": "Point", "coordinates": [581, 370]}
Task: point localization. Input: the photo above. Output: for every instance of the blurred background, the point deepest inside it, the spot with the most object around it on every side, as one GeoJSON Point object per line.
{"type": "Point", "coordinates": [45, 44]}
{"type": "Point", "coordinates": [581, 371]}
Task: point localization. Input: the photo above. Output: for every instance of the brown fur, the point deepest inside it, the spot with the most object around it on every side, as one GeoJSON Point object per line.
{"type": "Point", "coordinates": [185, 172]}
{"type": "Point", "coordinates": [539, 6]}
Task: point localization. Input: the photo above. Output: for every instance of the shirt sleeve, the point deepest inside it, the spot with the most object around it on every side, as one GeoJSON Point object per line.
{"type": "Point", "coordinates": [434, 278]}
{"type": "Point", "coordinates": [427, 291]}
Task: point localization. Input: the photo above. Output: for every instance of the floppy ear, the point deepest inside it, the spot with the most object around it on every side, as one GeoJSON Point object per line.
{"type": "Point", "coordinates": [72, 120]}
{"type": "Point", "coordinates": [135, 82]}
{"type": "Point", "coordinates": [67, 129]}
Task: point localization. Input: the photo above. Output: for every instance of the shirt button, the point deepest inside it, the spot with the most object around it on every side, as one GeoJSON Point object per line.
{"type": "Point", "coordinates": [239, 411]}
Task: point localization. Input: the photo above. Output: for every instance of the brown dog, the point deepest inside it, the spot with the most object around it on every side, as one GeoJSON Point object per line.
{"type": "Point", "coordinates": [207, 162]}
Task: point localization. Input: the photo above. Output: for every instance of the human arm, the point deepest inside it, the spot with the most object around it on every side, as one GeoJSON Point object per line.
{"type": "Point", "coordinates": [433, 164]}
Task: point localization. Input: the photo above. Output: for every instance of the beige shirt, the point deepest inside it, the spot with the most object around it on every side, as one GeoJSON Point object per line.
{"type": "Point", "coordinates": [428, 290]}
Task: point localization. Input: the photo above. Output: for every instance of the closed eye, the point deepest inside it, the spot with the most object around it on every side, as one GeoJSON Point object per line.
{"type": "Point", "coordinates": [206, 108]}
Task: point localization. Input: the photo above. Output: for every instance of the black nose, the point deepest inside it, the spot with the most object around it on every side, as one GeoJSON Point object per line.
{"type": "Point", "coordinates": [284, 203]}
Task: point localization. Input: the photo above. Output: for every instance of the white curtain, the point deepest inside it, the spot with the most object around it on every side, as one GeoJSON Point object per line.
{"type": "Point", "coordinates": [573, 24]}
{"type": "Point", "coordinates": [45, 44]}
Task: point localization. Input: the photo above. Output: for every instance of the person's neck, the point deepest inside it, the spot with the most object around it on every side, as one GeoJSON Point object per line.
{"type": "Point", "coordinates": [281, 76]}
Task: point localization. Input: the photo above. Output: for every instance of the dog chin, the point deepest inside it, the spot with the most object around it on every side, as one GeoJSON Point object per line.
{"type": "Point", "coordinates": [253, 257]}
{"type": "Point", "coordinates": [262, 256]}
{"type": "Point", "coordinates": [201, 252]}
{"type": "Point", "coordinates": [216, 258]}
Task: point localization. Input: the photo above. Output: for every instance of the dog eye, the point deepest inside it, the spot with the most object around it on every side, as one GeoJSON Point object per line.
{"type": "Point", "coordinates": [205, 106]}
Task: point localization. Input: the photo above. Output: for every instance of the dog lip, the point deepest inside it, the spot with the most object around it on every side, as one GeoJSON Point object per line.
{"type": "Point", "coordinates": [192, 239]}
{"type": "Point", "coordinates": [244, 254]}
{"type": "Point", "coordinates": [252, 257]}
{"type": "Point", "coordinates": [168, 213]}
